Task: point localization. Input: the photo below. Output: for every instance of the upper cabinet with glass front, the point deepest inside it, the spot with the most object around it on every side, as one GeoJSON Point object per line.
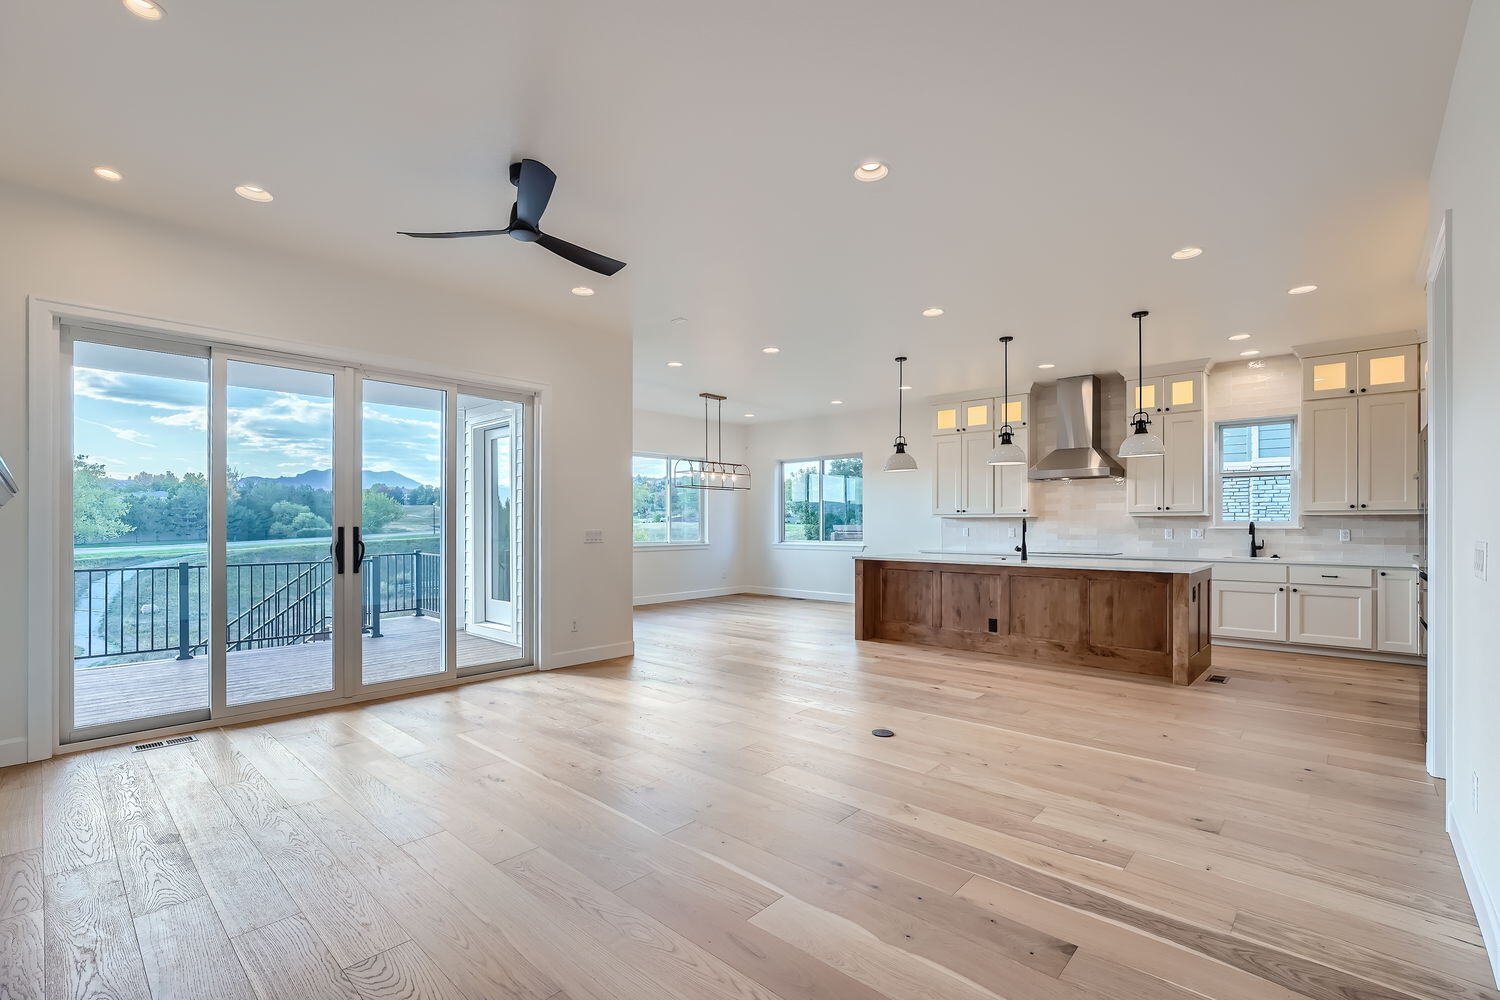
{"type": "Point", "coordinates": [1391, 369]}
{"type": "Point", "coordinates": [978, 415]}
{"type": "Point", "coordinates": [1181, 393]}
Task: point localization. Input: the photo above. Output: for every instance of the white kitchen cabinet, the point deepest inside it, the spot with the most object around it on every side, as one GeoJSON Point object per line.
{"type": "Point", "coordinates": [1330, 455]}
{"type": "Point", "coordinates": [1249, 609]}
{"type": "Point", "coordinates": [964, 417]}
{"type": "Point", "coordinates": [1012, 488]}
{"type": "Point", "coordinates": [1017, 412]}
{"type": "Point", "coordinates": [1397, 628]}
{"type": "Point", "coordinates": [1167, 394]}
{"type": "Point", "coordinates": [1174, 482]}
{"type": "Point", "coordinates": [963, 481]}
{"type": "Point", "coordinates": [1396, 369]}
{"type": "Point", "coordinates": [1331, 616]}
{"type": "Point", "coordinates": [1335, 375]}
{"type": "Point", "coordinates": [1389, 453]}
{"type": "Point", "coordinates": [948, 473]}
{"type": "Point", "coordinates": [979, 475]}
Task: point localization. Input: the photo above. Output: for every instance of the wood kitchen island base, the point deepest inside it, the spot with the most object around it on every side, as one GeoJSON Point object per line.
{"type": "Point", "coordinates": [1130, 617]}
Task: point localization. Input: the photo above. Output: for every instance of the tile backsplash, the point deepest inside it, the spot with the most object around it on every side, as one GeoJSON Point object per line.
{"type": "Point", "coordinates": [1090, 515]}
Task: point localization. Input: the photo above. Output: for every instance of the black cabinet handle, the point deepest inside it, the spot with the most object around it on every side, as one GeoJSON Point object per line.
{"type": "Point", "coordinates": [1351, 506]}
{"type": "Point", "coordinates": [1333, 576]}
{"type": "Point", "coordinates": [1294, 590]}
{"type": "Point", "coordinates": [1281, 590]}
{"type": "Point", "coordinates": [337, 550]}
{"type": "Point", "coordinates": [1364, 505]}
{"type": "Point", "coordinates": [1364, 390]}
{"type": "Point", "coordinates": [359, 551]}
{"type": "Point", "coordinates": [1351, 392]}
{"type": "Point", "coordinates": [1382, 572]}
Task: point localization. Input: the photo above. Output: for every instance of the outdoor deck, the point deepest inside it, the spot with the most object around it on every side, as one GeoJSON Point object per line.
{"type": "Point", "coordinates": [408, 647]}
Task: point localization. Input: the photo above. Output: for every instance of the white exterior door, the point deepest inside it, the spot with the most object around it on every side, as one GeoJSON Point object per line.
{"type": "Point", "coordinates": [1330, 449]}
{"type": "Point", "coordinates": [1332, 616]}
{"type": "Point", "coordinates": [1389, 456]}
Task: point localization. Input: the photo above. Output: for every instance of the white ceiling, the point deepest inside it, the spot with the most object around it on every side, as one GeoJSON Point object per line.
{"type": "Point", "coordinates": [1046, 158]}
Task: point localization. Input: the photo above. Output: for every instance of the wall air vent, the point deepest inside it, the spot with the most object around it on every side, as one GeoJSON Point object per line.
{"type": "Point", "coordinates": [158, 744]}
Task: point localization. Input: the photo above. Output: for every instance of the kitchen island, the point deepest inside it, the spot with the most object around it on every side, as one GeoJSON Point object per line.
{"type": "Point", "coordinates": [1139, 617]}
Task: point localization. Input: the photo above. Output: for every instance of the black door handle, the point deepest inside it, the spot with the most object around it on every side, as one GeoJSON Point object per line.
{"type": "Point", "coordinates": [359, 551]}
{"type": "Point", "coordinates": [337, 550]}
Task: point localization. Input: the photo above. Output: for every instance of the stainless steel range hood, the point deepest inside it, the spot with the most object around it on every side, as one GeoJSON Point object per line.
{"type": "Point", "coordinates": [1077, 453]}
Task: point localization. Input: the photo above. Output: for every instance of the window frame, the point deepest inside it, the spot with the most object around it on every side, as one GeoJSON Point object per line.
{"type": "Point", "coordinates": [1292, 472]}
{"type": "Point", "coordinates": [701, 542]}
{"type": "Point", "coordinates": [780, 538]}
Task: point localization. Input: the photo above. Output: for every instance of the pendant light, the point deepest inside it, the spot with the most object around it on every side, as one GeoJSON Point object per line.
{"type": "Point", "coordinates": [1141, 442]}
{"type": "Point", "coordinates": [1007, 452]}
{"type": "Point", "coordinates": [706, 473]}
{"type": "Point", "coordinates": [900, 461]}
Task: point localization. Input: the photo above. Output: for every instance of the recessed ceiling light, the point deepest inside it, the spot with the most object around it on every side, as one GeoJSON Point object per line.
{"type": "Point", "coordinates": [1302, 289]}
{"type": "Point", "coordinates": [835, 402]}
{"type": "Point", "coordinates": [749, 416]}
{"type": "Point", "coordinates": [932, 311]}
{"type": "Point", "coordinates": [254, 192]}
{"type": "Point", "coordinates": [674, 364]}
{"type": "Point", "coordinates": [582, 291]}
{"type": "Point", "coordinates": [146, 10]}
{"type": "Point", "coordinates": [1186, 253]}
{"type": "Point", "coordinates": [871, 170]}
{"type": "Point", "coordinates": [1248, 354]}
{"type": "Point", "coordinates": [678, 320]}
{"type": "Point", "coordinates": [1046, 364]}
{"type": "Point", "coordinates": [906, 388]}
{"type": "Point", "coordinates": [770, 350]}
{"type": "Point", "coordinates": [108, 174]}
{"type": "Point", "coordinates": [1239, 336]}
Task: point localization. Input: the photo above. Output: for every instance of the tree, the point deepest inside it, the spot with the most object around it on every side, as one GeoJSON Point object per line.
{"type": "Point", "coordinates": [98, 509]}
{"type": "Point", "coordinates": [377, 511]}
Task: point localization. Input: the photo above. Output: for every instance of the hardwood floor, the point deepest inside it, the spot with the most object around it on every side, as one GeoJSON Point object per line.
{"type": "Point", "coordinates": [712, 818]}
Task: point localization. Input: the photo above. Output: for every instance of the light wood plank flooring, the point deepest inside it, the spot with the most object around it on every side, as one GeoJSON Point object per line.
{"type": "Point", "coordinates": [713, 819]}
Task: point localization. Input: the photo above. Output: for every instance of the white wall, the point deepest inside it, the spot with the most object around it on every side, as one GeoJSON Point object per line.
{"type": "Point", "coordinates": [1464, 179]}
{"type": "Point", "coordinates": [685, 572]}
{"type": "Point", "coordinates": [67, 251]}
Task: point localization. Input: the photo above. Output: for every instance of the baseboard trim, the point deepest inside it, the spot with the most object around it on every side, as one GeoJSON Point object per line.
{"type": "Point", "coordinates": [1338, 651]}
{"type": "Point", "coordinates": [801, 595]}
{"type": "Point", "coordinates": [1486, 907]}
{"type": "Point", "coordinates": [685, 595]}
{"type": "Point", "coordinates": [13, 751]}
{"type": "Point", "coordinates": [590, 654]}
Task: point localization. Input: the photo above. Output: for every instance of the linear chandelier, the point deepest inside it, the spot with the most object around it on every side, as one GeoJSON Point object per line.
{"type": "Point", "coordinates": [706, 473]}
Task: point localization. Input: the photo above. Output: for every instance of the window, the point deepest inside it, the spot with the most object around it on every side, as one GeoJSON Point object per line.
{"type": "Point", "coordinates": [823, 499]}
{"type": "Point", "coordinates": [663, 514]}
{"type": "Point", "coordinates": [1256, 471]}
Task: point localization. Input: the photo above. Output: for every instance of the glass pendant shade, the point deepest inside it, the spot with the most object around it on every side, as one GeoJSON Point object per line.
{"type": "Point", "coordinates": [900, 461]}
{"type": "Point", "coordinates": [1007, 452]}
{"type": "Point", "coordinates": [1142, 442]}
{"type": "Point", "coordinates": [710, 473]}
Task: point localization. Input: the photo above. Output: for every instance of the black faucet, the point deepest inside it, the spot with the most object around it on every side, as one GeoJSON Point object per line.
{"type": "Point", "coordinates": [1255, 546]}
{"type": "Point", "coordinates": [1022, 547]}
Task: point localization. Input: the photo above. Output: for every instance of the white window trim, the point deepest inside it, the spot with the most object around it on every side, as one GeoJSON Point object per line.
{"type": "Point", "coordinates": [701, 542]}
{"type": "Point", "coordinates": [779, 536]}
{"type": "Point", "coordinates": [1220, 475]}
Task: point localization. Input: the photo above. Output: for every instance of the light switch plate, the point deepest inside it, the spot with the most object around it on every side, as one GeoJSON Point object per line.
{"type": "Point", "coordinates": [1167, 533]}
{"type": "Point", "coordinates": [1344, 534]}
{"type": "Point", "coordinates": [1196, 534]}
{"type": "Point", "coordinates": [1481, 560]}
{"type": "Point", "coordinates": [593, 536]}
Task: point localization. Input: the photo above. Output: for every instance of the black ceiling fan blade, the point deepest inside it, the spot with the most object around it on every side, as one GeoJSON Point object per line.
{"type": "Point", "coordinates": [457, 236]}
{"type": "Point", "coordinates": [533, 191]}
{"type": "Point", "coordinates": [578, 255]}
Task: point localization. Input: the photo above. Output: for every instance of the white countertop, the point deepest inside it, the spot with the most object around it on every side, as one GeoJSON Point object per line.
{"type": "Point", "coordinates": [1067, 560]}
{"type": "Point", "coordinates": [1110, 563]}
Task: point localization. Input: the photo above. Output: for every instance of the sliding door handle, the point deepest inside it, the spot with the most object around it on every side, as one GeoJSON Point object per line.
{"type": "Point", "coordinates": [336, 550]}
{"type": "Point", "coordinates": [359, 550]}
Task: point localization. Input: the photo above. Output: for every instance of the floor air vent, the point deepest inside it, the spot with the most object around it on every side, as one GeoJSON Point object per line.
{"type": "Point", "coordinates": [1217, 679]}
{"type": "Point", "coordinates": [158, 744]}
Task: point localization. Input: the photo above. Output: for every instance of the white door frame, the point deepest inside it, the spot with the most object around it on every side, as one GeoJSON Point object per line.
{"type": "Point", "coordinates": [1440, 557]}
{"type": "Point", "coordinates": [48, 641]}
{"type": "Point", "coordinates": [486, 435]}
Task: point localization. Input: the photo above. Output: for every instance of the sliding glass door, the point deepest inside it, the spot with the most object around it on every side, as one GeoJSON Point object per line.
{"type": "Point", "coordinates": [255, 533]}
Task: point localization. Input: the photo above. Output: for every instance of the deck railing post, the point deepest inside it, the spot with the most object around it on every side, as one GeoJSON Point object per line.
{"type": "Point", "coordinates": [184, 646]}
{"type": "Point", "coordinates": [375, 598]}
{"type": "Point", "coordinates": [416, 578]}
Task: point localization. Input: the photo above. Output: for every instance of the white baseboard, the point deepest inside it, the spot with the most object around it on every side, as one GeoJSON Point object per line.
{"type": "Point", "coordinates": [589, 654]}
{"type": "Point", "coordinates": [13, 751]}
{"type": "Point", "coordinates": [801, 595]}
{"type": "Point", "coordinates": [686, 595]}
{"type": "Point", "coordinates": [1486, 906]}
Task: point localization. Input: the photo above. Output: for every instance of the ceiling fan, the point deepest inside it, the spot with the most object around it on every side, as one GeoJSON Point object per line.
{"type": "Point", "coordinates": [534, 180]}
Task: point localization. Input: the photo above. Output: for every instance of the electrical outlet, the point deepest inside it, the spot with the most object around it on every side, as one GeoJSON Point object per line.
{"type": "Point", "coordinates": [1167, 534]}
{"type": "Point", "coordinates": [967, 529]}
{"type": "Point", "coordinates": [1196, 534]}
{"type": "Point", "coordinates": [573, 625]}
{"type": "Point", "coordinates": [1012, 532]}
{"type": "Point", "coordinates": [1344, 535]}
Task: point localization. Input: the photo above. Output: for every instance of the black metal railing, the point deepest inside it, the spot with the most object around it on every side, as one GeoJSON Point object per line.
{"type": "Point", "coordinates": [136, 610]}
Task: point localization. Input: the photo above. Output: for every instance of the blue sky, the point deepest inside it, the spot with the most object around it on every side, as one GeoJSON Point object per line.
{"type": "Point", "coordinates": [135, 422]}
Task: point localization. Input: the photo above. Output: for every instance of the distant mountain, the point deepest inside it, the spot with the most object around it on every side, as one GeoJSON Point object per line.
{"type": "Point", "coordinates": [322, 479]}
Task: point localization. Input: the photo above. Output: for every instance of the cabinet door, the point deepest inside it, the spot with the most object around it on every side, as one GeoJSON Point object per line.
{"type": "Point", "coordinates": [1397, 629]}
{"type": "Point", "coordinates": [1332, 616]}
{"type": "Point", "coordinates": [1145, 395]}
{"type": "Point", "coordinates": [1326, 377]}
{"type": "Point", "coordinates": [1389, 457]}
{"type": "Point", "coordinates": [1143, 484]}
{"type": "Point", "coordinates": [1396, 369]}
{"type": "Point", "coordinates": [1248, 610]}
{"type": "Point", "coordinates": [947, 473]}
{"type": "Point", "coordinates": [979, 475]}
{"type": "Point", "coordinates": [1183, 470]}
{"type": "Point", "coordinates": [945, 419]}
{"type": "Point", "coordinates": [1012, 488]}
{"type": "Point", "coordinates": [1016, 413]}
{"type": "Point", "coordinates": [977, 414]}
{"type": "Point", "coordinates": [1182, 393]}
{"type": "Point", "coordinates": [1330, 450]}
